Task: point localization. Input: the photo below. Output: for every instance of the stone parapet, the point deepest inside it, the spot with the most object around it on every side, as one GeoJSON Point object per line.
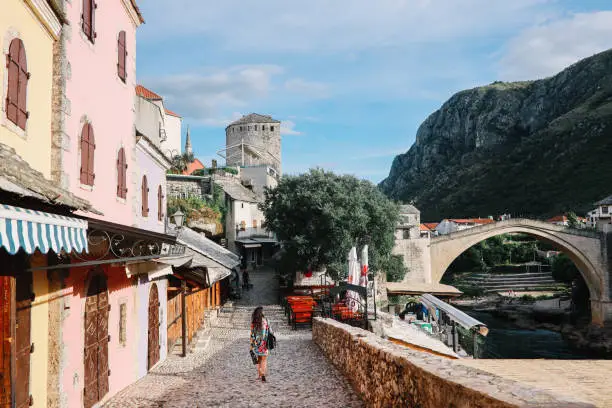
{"type": "Point", "coordinates": [388, 375]}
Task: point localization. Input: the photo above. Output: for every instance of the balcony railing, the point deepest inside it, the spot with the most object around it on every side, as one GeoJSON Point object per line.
{"type": "Point", "coordinates": [250, 232]}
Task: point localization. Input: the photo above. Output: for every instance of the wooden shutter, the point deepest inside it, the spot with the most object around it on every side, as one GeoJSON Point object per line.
{"type": "Point", "coordinates": [18, 76]}
{"type": "Point", "coordinates": [145, 197]}
{"type": "Point", "coordinates": [87, 155]}
{"type": "Point", "coordinates": [121, 174]}
{"type": "Point", "coordinates": [89, 8]}
{"type": "Point", "coordinates": [160, 203]}
{"type": "Point", "coordinates": [122, 57]}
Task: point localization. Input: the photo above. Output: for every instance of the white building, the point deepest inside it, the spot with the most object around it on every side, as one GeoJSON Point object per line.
{"type": "Point", "coordinates": [245, 229]}
{"type": "Point", "coordinates": [160, 125]}
{"type": "Point", "coordinates": [602, 214]}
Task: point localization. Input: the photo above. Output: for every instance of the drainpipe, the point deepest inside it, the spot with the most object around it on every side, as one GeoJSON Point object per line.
{"type": "Point", "coordinates": [184, 314]}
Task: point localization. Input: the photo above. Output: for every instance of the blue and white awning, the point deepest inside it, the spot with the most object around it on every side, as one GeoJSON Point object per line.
{"type": "Point", "coordinates": [31, 230]}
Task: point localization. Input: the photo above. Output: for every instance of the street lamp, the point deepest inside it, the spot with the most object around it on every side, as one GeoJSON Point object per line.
{"type": "Point", "coordinates": [178, 218]}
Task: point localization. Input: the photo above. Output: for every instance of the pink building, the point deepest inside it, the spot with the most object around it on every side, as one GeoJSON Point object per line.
{"type": "Point", "coordinates": [112, 328]}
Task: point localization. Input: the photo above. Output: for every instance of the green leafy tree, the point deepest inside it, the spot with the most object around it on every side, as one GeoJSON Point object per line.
{"type": "Point", "coordinates": [572, 220]}
{"type": "Point", "coordinates": [564, 270]}
{"type": "Point", "coordinates": [319, 216]}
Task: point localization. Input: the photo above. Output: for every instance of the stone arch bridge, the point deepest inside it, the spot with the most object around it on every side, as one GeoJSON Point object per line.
{"type": "Point", "coordinates": [591, 251]}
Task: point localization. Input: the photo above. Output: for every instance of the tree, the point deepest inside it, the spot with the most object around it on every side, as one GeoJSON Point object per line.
{"type": "Point", "coordinates": [563, 269]}
{"type": "Point", "coordinates": [319, 216]}
{"type": "Point", "coordinates": [572, 220]}
{"type": "Point", "coordinates": [180, 162]}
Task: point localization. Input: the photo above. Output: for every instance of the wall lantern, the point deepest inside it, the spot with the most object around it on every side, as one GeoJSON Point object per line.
{"type": "Point", "coordinates": [178, 218]}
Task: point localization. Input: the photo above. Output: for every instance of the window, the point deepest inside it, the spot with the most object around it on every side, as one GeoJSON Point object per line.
{"type": "Point", "coordinates": [272, 128]}
{"type": "Point", "coordinates": [145, 197]}
{"type": "Point", "coordinates": [255, 224]}
{"type": "Point", "coordinates": [18, 77]}
{"type": "Point", "coordinates": [122, 324]}
{"type": "Point", "coordinates": [160, 204]}
{"type": "Point", "coordinates": [88, 145]}
{"type": "Point", "coordinates": [121, 174]}
{"type": "Point", "coordinates": [122, 56]}
{"type": "Point", "coordinates": [88, 17]}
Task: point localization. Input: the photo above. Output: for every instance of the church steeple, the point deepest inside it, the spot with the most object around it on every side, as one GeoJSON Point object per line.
{"type": "Point", "coordinates": [188, 149]}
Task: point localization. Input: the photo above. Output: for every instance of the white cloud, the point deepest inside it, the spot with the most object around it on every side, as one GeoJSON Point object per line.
{"type": "Point", "coordinates": [203, 96]}
{"type": "Point", "coordinates": [548, 48]}
{"type": "Point", "coordinates": [325, 25]}
{"type": "Point", "coordinates": [288, 128]}
{"type": "Point", "coordinates": [308, 88]}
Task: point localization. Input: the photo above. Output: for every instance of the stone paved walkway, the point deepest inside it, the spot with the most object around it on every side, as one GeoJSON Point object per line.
{"type": "Point", "coordinates": [222, 374]}
{"type": "Point", "coordinates": [586, 380]}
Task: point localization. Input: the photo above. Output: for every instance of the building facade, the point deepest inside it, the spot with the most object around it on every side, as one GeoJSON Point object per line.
{"type": "Point", "coordinates": [28, 32]}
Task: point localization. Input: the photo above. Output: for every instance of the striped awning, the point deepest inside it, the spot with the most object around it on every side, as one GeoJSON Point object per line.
{"type": "Point", "coordinates": [32, 230]}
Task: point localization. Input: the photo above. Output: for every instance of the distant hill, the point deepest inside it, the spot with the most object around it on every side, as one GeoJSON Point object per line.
{"type": "Point", "coordinates": [535, 148]}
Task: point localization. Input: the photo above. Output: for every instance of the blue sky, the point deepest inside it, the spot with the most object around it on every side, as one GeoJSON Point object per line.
{"type": "Point", "coordinates": [351, 79]}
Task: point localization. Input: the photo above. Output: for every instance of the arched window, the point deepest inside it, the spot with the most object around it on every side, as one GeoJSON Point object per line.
{"type": "Point", "coordinates": [121, 174]}
{"type": "Point", "coordinates": [122, 57]}
{"type": "Point", "coordinates": [145, 197]}
{"type": "Point", "coordinates": [18, 75]}
{"type": "Point", "coordinates": [89, 19]}
{"type": "Point", "coordinates": [160, 204]}
{"type": "Point", "coordinates": [88, 146]}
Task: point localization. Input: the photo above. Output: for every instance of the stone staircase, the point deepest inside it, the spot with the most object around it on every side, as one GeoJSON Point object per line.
{"type": "Point", "coordinates": [511, 281]}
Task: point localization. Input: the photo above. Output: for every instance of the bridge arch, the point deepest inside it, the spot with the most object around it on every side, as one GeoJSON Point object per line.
{"type": "Point", "coordinates": [582, 247]}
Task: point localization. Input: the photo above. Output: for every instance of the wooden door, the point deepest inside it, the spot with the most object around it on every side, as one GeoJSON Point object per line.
{"type": "Point", "coordinates": [6, 310]}
{"type": "Point", "coordinates": [23, 346]}
{"type": "Point", "coordinates": [153, 334]}
{"type": "Point", "coordinates": [96, 342]}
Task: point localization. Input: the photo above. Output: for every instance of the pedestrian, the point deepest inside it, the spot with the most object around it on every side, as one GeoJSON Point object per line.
{"type": "Point", "coordinates": [259, 341]}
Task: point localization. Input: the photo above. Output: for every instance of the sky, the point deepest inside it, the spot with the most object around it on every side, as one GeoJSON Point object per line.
{"type": "Point", "coordinates": [351, 80]}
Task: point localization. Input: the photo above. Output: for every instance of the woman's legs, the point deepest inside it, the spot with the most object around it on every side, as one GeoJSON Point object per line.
{"type": "Point", "coordinates": [264, 365]}
{"type": "Point", "coordinates": [259, 366]}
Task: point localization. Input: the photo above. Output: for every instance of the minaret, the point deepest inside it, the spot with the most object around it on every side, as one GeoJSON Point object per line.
{"type": "Point", "coordinates": [188, 149]}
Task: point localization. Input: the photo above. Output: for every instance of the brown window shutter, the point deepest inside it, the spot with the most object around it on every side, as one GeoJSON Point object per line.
{"type": "Point", "coordinates": [121, 173]}
{"type": "Point", "coordinates": [90, 157]}
{"type": "Point", "coordinates": [85, 154]}
{"type": "Point", "coordinates": [122, 50]}
{"type": "Point", "coordinates": [145, 197]}
{"type": "Point", "coordinates": [93, 6]}
{"type": "Point", "coordinates": [87, 18]}
{"type": "Point", "coordinates": [24, 76]}
{"type": "Point", "coordinates": [14, 57]}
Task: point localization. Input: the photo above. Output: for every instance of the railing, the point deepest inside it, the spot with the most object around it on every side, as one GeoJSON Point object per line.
{"type": "Point", "coordinates": [250, 232]}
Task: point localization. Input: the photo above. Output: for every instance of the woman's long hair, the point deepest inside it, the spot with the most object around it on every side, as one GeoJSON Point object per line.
{"type": "Point", "coordinates": [257, 318]}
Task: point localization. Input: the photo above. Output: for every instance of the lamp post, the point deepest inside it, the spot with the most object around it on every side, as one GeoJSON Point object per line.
{"type": "Point", "coordinates": [179, 218]}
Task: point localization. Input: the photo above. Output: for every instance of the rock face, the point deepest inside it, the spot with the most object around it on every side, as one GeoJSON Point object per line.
{"type": "Point", "coordinates": [532, 148]}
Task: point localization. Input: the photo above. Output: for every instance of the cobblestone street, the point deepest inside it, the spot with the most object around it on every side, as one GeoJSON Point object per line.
{"type": "Point", "coordinates": [219, 372]}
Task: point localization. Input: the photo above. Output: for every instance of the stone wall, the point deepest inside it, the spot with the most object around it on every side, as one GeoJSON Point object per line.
{"type": "Point", "coordinates": [180, 188]}
{"type": "Point", "coordinates": [388, 375]}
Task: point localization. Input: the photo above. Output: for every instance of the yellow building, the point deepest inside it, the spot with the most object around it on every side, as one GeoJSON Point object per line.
{"type": "Point", "coordinates": [28, 30]}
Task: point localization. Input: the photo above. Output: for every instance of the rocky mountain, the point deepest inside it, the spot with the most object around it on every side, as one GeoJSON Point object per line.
{"type": "Point", "coordinates": [535, 148]}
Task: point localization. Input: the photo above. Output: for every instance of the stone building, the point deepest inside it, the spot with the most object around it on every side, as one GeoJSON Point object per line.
{"type": "Point", "coordinates": [253, 140]}
{"type": "Point", "coordinates": [411, 246]}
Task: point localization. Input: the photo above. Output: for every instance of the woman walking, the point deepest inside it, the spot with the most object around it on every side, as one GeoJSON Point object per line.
{"type": "Point", "coordinates": [259, 341]}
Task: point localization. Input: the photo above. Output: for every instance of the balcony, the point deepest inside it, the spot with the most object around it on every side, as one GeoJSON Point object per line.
{"type": "Point", "coordinates": [250, 232]}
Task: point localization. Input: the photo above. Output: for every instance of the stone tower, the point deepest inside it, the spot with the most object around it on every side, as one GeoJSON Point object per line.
{"type": "Point", "coordinates": [188, 148]}
{"type": "Point", "coordinates": [254, 140]}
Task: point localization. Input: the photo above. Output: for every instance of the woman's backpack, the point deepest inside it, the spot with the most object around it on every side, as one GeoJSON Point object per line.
{"type": "Point", "coordinates": [271, 341]}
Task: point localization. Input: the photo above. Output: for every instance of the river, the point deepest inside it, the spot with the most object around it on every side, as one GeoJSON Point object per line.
{"type": "Point", "coordinates": [505, 340]}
